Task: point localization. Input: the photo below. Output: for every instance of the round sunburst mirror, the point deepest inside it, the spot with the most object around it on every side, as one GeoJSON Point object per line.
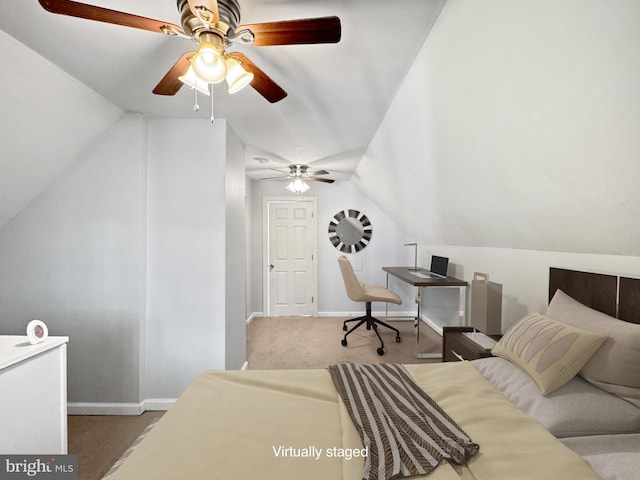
{"type": "Point", "coordinates": [350, 231]}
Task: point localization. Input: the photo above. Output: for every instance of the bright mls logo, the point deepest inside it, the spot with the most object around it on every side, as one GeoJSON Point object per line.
{"type": "Point", "coordinates": [50, 467]}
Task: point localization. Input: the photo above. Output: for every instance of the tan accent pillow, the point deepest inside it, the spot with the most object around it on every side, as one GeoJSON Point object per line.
{"type": "Point", "coordinates": [551, 352]}
{"type": "Point", "coordinates": [615, 367]}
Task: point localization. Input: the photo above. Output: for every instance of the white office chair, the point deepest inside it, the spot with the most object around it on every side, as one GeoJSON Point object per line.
{"type": "Point", "coordinates": [361, 292]}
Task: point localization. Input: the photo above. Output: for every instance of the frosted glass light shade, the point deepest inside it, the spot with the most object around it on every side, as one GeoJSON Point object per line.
{"type": "Point", "coordinates": [298, 186]}
{"type": "Point", "coordinates": [237, 77]}
{"type": "Point", "coordinates": [190, 78]}
{"type": "Point", "coordinates": [208, 64]}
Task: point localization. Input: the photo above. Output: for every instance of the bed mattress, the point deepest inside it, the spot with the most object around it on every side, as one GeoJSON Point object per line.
{"type": "Point", "coordinates": [291, 424]}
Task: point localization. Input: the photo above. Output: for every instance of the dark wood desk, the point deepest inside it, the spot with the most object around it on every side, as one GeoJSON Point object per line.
{"type": "Point", "coordinates": [410, 276]}
{"type": "Point", "coordinates": [406, 274]}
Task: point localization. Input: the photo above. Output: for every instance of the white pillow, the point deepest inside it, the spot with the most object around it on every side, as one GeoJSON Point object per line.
{"type": "Point", "coordinates": [576, 409]}
{"type": "Point", "coordinates": [615, 367]}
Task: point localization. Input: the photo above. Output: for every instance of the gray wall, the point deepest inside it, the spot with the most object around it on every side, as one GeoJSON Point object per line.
{"type": "Point", "coordinates": [74, 259]}
{"type": "Point", "coordinates": [186, 267]}
{"type": "Point", "coordinates": [126, 253]}
{"type": "Point", "coordinates": [235, 254]}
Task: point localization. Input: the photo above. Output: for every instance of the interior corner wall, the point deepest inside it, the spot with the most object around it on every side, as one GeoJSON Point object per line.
{"type": "Point", "coordinates": [235, 253]}
{"type": "Point", "coordinates": [186, 268]}
{"type": "Point", "coordinates": [250, 305]}
{"type": "Point", "coordinates": [73, 258]}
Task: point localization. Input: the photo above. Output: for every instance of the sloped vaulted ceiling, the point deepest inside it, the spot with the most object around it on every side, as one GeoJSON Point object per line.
{"type": "Point", "coordinates": [518, 127]}
{"type": "Point", "coordinates": [43, 126]}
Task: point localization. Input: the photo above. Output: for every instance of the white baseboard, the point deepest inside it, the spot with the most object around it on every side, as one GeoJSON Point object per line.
{"type": "Point", "coordinates": [158, 404]}
{"type": "Point", "coordinates": [91, 408]}
{"type": "Point", "coordinates": [254, 315]}
{"type": "Point", "coordinates": [433, 325]}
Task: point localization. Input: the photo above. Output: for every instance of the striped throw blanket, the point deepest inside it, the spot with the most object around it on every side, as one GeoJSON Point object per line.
{"type": "Point", "coordinates": [405, 431]}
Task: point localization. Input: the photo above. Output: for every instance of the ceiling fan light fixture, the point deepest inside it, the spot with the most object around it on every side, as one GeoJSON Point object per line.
{"type": "Point", "coordinates": [237, 77]}
{"type": "Point", "coordinates": [298, 186]}
{"type": "Point", "coordinates": [208, 64]}
{"type": "Point", "coordinates": [192, 80]}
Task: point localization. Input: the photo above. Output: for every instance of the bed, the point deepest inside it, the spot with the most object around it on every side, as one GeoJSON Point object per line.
{"type": "Point", "coordinates": [294, 424]}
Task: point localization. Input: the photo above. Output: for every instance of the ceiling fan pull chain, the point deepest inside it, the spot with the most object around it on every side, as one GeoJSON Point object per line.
{"type": "Point", "coordinates": [212, 117]}
{"type": "Point", "coordinates": [196, 107]}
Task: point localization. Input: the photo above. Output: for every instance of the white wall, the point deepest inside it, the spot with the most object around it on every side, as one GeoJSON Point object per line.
{"type": "Point", "coordinates": [74, 259]}
{"type": "Point", "coordinates": [516, 127]}
{"type": "Point", "coordinates": [524, 274]}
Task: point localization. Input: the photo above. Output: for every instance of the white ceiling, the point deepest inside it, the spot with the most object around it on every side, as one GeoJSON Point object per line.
{"type": "Point", "coordinates": [338, 93]}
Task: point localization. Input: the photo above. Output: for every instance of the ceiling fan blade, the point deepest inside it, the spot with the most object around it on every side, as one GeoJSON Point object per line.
{"type": "Point", "coordinates": [205, 10]}
{"type": "Point", "coordinates": [320, 179]}
{"type": "Point", "coordinates": [100, 14]}
{"type": "Point", "coordinates": [275, 178]}
{"type": "Point", "coordinates": [320, 172]}
{"type": "Point", "coordinates": [292, 32]}
{"type": "Point", "coordinates": [170, 83]}
{"type": "Point", "coordinates": [261, 82]}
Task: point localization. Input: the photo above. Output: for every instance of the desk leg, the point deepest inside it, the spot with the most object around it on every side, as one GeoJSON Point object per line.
{"type": "Point", "coordinates": [386, 305]}
{"type": "Point", "coordinates": [418, 321]}
{"type": "Point", "coordinates": [418, 290]}
{"type": "Point", "coordinates": [463, 306]}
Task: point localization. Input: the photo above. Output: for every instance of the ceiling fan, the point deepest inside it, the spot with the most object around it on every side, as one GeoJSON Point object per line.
{"type": "Point", "coordinates": [298, 175]}
{"type": "Point", "coordinates": [301, 171]}
{"type": "Point", "coordinates": [214, 25]}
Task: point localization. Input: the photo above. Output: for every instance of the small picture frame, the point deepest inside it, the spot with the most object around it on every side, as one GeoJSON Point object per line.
{"type": "Point", "coordinates": [37, 331]}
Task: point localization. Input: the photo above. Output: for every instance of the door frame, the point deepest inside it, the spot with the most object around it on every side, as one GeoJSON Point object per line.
{"type": "Point", "coordinates": [266, 202]}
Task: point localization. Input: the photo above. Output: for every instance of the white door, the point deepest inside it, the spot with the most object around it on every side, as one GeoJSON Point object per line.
{"type": "Point", "coordinates": [291, 258]}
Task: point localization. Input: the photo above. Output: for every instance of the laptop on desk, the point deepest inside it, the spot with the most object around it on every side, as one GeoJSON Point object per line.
{"type": "Point", "coordinates": [438, 268]}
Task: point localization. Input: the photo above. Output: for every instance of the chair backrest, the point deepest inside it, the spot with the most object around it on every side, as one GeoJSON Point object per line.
{"type": "Point", "coordinates": [355, 289]}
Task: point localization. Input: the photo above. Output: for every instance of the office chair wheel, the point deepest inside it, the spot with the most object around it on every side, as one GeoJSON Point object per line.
{"type": "Point", "coordinates": [398, 340]}
{"type": "Point", "coordinates": [344, 342]}
{"type": "Point", "coordinates": [380, 351]}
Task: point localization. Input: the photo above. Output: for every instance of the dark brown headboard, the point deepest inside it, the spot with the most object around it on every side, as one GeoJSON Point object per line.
{"type": "Point", "coordinates": [629, 307]}
{"type": "Point", "coordinates": [611, 294]}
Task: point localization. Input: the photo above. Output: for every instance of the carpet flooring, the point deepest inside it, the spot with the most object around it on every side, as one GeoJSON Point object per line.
{"type": "Point", "coordinates": [314, 342]}
{"type": "Point", "coordinates": [100, 440]}
{"type": "Point", "coordinates": [272, 343]}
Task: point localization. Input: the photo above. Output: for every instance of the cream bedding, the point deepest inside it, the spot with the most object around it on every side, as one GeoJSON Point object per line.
{"type": "Point", "coordinates": [291, 424]}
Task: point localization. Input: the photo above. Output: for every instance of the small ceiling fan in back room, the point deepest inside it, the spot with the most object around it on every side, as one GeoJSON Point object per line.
{"type": "Point", "coordinates": [214, 26]}
{"type": "Point", "coordinates": [298, 175]}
